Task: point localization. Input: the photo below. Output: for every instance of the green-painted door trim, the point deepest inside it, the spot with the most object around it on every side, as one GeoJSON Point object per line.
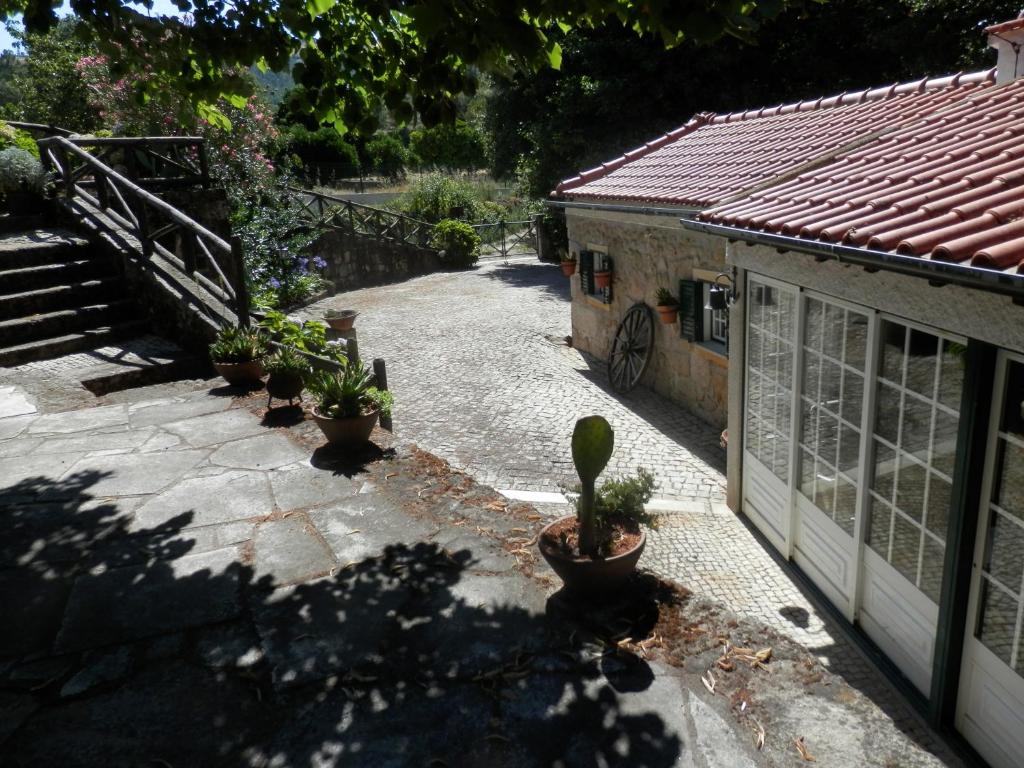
{"type": "Point", "coordinates": [975, 404]}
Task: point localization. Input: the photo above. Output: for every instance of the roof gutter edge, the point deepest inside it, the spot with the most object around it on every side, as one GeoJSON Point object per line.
{"type": "Point", "coordinates": [988, 280]}
{"type": "Point", "coordinates": [617, 208]}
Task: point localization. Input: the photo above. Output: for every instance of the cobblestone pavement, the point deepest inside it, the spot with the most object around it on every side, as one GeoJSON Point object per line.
{"type": "Point", "coordinates": [479, 381]}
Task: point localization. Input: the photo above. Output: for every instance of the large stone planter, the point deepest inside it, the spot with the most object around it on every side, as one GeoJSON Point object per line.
{"type": "Point", "coordinates": [591, 577]}
{"type": "Point", "coordinates": [351, 431]}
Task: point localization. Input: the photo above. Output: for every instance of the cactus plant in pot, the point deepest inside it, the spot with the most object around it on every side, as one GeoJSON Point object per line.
{"type": "Point", "coordinates": [347, 403]}
{"type": "Point", "coordinates": [596, 550]}
{"type": "Point", "coordinates": [288, 371]}
{"type": "Point", "coordinates": [237, 355]}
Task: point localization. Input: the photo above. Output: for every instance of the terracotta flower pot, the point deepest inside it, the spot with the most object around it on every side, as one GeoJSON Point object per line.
{"type": "Point", "coordinates": [590, 577]}
{"type": "Point", "coordinates": [668, 313]}
{"type": "Point", "coordinates": [285, 386]}
{"type": "Point", "coordinates": [238, 374]}
{"type": "Point", "coordinates": [341, 321]}
{"type": "Point", "coordinates": [602, 279]}
{"type": "Point", "coordinates": [568, 268]}
{"type": "Point", "coordinates": [349, 431]}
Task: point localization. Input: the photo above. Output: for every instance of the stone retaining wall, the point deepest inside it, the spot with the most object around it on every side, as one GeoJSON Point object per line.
{"type": "Point", "coordinates": [649, 252]}
{"type": "Point", "coordinates": [359, 261]}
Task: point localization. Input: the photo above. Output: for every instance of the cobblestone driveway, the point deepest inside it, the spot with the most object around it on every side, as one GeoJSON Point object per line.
{"type": "Point", "coordinates": [481, 378]}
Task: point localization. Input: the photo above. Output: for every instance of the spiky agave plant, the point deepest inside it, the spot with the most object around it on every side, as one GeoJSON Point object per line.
{"type": "Point", "coordinates": [346, 393]}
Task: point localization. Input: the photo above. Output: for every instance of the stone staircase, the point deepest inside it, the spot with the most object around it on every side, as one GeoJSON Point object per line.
{"type": "Point", "coordinates": [59, 297]}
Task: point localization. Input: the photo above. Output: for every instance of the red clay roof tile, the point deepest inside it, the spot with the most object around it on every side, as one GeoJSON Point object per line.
{"type": "Point", "coordinates": [716, 157]}
{"type": "Point", "coordinates": [948, 186]}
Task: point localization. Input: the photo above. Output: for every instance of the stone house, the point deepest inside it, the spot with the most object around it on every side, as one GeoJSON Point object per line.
{"type": "Point", "coordinates": [626, 214]}
{"type": "Point", "coordinates": [876, 392]}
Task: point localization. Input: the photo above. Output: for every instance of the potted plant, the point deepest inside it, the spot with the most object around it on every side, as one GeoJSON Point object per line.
{"type": "Point", "coordinates": [288, 371]}
{"type": "Point", "coordinates": [603, 279]}
{"type": "Point", "coordinates": [237, 355]}
{"type": "Point", "coordinates": [667, 305]}
{"type": "Point", "coordinates": [597, 549]}
{"type": "Point", "coordinates": [347, 403]}
{"type": "Point", "coordinates": [341, 319]}
{"type": "Point", "coordinates": [568, 264]}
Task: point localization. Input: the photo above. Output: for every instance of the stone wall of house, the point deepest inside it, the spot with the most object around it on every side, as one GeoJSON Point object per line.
{"type": "Point", "coordinates": [358, 261]}
{"type": "Point", "coordinates": [649, 252]}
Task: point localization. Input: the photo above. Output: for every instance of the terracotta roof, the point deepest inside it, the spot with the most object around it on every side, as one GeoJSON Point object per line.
{"type": "Point", "coordinates": [715, 157]}
{"type": "Point", "coordinates": [1006, 26]}
{"type": "Point", "coordinates": [949, 187]}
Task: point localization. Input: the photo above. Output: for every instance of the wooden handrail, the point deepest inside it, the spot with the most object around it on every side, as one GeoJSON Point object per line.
{"type": "Point", "coordinates": [50, 130]}
{"type": "Point", "coordinates": [135, 141]}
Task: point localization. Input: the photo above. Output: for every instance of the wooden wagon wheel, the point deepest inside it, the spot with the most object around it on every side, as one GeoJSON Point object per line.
{"type": "Point", "coordinates": [632, 348]}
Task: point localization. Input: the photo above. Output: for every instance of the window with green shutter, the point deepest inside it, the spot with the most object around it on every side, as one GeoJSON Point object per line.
{"type": "Point", "coordinates": [691, 310]}
{"type": "Point", "coordinates": [589, 263]}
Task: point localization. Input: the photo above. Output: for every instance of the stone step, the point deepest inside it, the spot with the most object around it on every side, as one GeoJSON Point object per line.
{"type": "Point", "coordinates": [48, 275]}
{"type": "Point", "coordinates": [56, 297]}
{"type": "Point", "coordinates": [90, 338]}
{"type": "Point", "coordinates": [41, 246]}
{"type": "Point", "coordinates": [62, 322]}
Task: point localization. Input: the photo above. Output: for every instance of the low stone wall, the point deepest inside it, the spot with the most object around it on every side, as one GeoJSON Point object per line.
{"type": "Point", "coordinates": [358, 261]}
{"type": "Point", "coordinates": [649, 252]}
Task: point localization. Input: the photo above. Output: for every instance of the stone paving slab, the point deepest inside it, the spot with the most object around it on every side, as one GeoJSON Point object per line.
{"type": "Point", "coordinates": [269, 450]}
{"type": "Point", "coordinates": [289, 551]}
{"type": "Point", "coordinates": [224, 497]}
{"type": "Point", "coordinates": [137, 473]}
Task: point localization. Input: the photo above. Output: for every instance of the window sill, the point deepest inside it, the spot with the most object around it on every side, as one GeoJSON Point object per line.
{"type": "Point", "coordinates": [712, 350]}
{"type": "Point", "coordinates": [596, 303]}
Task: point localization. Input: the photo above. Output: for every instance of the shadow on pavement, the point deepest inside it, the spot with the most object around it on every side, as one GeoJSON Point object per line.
{"type": "Point", "coordinates": [546, 277]}
{"type": "Point", "coordinates": [162, 646]}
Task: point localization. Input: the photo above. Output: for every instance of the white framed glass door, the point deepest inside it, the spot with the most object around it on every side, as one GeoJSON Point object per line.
{"type": "Point", "coordinates": [768, 407]}
{"type": "Point", "coordinates": [834, 363]}
{"type": "Point", "coordinates": [917, 400]}
{"type": "Point", "coordinates": [990, 708]}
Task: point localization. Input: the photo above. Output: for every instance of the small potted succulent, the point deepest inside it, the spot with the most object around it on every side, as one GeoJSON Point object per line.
{"type": "Point", "coordinates": [568, 263]}
{"type": "Point", "coordinates": [288, 372]}
{"type": "Point", "coordinates": [596, 550]}
{"type": "Point", "coordinates": [667, 305]}
{"type": "Point", "coordinates": [341, 319]}
{"type": "Point", "coordinates": [347, 403]}
{"type": "Point", "coordinates": [237, 355]}
{"type": "Point", "coordinates": [603, 279]}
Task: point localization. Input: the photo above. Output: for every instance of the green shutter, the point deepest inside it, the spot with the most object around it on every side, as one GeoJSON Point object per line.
{"type": "Point", "coordinates": [586, 267]}
{"type": "Point", "coordinates": [691, 310]}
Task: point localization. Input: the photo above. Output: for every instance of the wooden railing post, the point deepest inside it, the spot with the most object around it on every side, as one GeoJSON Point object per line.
{"type": "Point", "coordinates": [380, 373]}
{"type": "Point", "coordinates": [241, 287]}
{"type": "Point", "coordinates": [204, 165]}
{"type": "Point", "coordinates": [143, 218]}
{"type": "Point", "coordinates": [65, 170]}
{"type": "Point", "coordinates": [187, 243]}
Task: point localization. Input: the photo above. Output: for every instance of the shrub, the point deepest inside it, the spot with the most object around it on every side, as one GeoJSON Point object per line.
{"type": "Point", "coordinates": [287, 361]}
{"type": "Point", "coordinates": [20, 172]}
{"type": "Point", "coordinates": [435, 197]}
{"type": "Point", "coordinates": [458, 147]}
{"type": "Point", "coordinates": [458, 242]}
{"type": "Point", "coordinates": [323, 146]}
{"type": "Point", "coordinates": [388, 156]}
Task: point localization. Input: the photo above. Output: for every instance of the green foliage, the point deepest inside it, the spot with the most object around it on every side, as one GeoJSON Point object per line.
{"type": "Point", "coordinates": [456, 147]}
{"type": "Point", "coordinates": [238, 345]}
{"type": "Point", "coordinates": [435, 197]}
{"type": "Point", "coordinates": [46, 85]}
{"type": "Point", "coordinates": [15, 137]}
{"type": "Point", "coordinates": [458, 242]}
{"type": "Point", "coordinates": [309, 336]}
{"type": "Point", "coordinates": [287, 361]}
{"type": "Point", "coordinates": [665, 298]}
{"type": "Point", "coordinates": [323, 146]}
{"type": "Point", "coordinates": [625, 499]}
{"type": "Point", "coordinates": [348, 392]}
{"type": "Point", "coordinates": [388, 156]}
{"type": "Point", "coordinates": [21, 172]}
{"type": "Point", "coordinates": [593, 440]}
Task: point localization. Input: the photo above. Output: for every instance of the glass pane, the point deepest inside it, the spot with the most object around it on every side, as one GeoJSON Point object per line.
{"type": "Point", "coordinates": [828, 438]}
{"type": "Point", "coordinates": [921, 363]}
{"type": "Point", "coordinates": [831, 378]}
{"type": "Point", "coordinates": [951, 375]}
{"type": "Point", "coordinates": [825, 488]}
{"type": "Point", "coordinates": [885, 471]}
{"type": "Point", "coordinates": [997, 621]}
{"type": "Point", "coordinates": [853, 397]}
{"type": "Point", "coordinates": [906, 543]}
{"type": "Point", "coordinates": [887, 417]}
{"type": "Point", "coordinates": [833, 331]}
{"type": "Point", "coordinates": [917, 426]}
{"type": "Point", "coordinates": [856, 339]}
{"type": "Point", "coordinates": [944, 441]}
{"type": "Point", "coordinates": [939, 496]}
{"type": "Point", "coordinates": [807, 474]}
{"type": "Point", "coordinates": [910, 489]}
{"type": "Point", "coordinates": [812, 373]}
{"type": "Point", "coordinates": [879, 522]}
{"type": "Point", "coordinates": [931, 568]}
{"type": "Point", "coordinates": [1010, 489]}
{"type": "Point", "coordinates": [808, 423]}
{"type": "Point", "coordinates": [813, 324]}
{"type": "Point", "coordinates": [846, 505]}
{"type": "Point", "coordinates": [849, 450]}
{"type": "Point", "coordinates": [786, 308]}
{"type": "Point", "coordinates": [893, 341]}
{"type": "Point", "coordinates": [1005, 551]}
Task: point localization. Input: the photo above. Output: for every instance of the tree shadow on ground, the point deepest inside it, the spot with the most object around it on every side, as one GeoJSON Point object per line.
{"type": "Point", "coordinates": [162, 648]}
{"type": "Point", "coordinates": [545, 277]}
{"type": "Point", "coordinates": [669, 418]}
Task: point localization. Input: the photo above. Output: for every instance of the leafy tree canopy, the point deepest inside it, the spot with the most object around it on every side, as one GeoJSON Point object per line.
{"type": "Point", "coordinates": [354, 55]}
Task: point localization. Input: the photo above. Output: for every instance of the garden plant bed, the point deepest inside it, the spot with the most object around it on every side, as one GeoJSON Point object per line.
{"type": "Point", "coordinates": [563, 536]}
